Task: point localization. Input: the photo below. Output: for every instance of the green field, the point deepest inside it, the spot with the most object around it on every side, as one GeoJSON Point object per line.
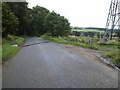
{"type": "Point", "coordinates": [87, 30]}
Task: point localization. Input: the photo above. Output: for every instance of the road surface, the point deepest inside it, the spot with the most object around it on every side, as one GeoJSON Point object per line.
{"type": "Point", "coordinates": [42, 64]}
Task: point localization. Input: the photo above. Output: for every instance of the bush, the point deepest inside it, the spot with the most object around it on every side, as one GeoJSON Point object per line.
{"type": "Point", "coordinates": [10, 37]}
{"type": "Point", "coordinates": [76, 33]}
{"type": "Point", "coordinates": [95, 47]}
{"type": "Point", "coordinates": [118, 33]}
{"type": "Point", "coordinates": [110, 42]}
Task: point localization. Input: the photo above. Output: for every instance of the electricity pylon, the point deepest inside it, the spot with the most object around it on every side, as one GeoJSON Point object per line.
{"type": "Point", "coordinates": [113, 20]}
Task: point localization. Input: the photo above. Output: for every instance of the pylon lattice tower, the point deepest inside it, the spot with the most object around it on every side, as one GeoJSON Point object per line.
{"type": "Point", "coordinates": [113, 20]}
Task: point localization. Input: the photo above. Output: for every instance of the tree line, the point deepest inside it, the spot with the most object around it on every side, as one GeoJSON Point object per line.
{"type": "Point", "coordinates": [94, 28]}
{"type": "Point", "coordinates": [19, 20]}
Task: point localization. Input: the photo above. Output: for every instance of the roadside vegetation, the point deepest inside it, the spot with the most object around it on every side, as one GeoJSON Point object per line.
{"type": "Point", "coordinates": [85, 42]}
{"type": "Point", "coordinates": [8, 51]}
{"type": "Point", "coordinates": [114, 55]}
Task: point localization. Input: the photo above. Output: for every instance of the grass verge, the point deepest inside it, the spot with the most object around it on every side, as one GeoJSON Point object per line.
{"type": "Point", "coordinates": [113, 54]}
{"type": "Point", "coordinates": [71, 41]}
{"type": "Point", "coordinates": [8, 51]}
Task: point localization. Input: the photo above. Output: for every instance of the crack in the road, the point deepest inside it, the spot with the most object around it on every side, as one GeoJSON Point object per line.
{"type": "Point", "coordinates": [33, 44]}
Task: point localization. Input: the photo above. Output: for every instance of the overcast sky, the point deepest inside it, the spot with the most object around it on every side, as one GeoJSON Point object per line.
{"type": "Point", "coordinates": [82, 13]}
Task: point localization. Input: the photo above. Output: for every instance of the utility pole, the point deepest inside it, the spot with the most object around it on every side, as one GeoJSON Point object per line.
{"type": "Point", "coordinates": [113, 19]}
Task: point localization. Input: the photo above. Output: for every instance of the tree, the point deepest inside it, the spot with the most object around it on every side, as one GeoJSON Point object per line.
{"type": "Point", "coordinates": [57, 25]}
{"type": "Point", "coordinates": [20, 10]}
{"type": "Point", "coordinates": [20, 20]}
{"type": "Point", "coordinates": [38, 15]}
{"type": "Point", "coordinates": [9, 21]}
{"type": "Point", "coordinates": [29, 23]}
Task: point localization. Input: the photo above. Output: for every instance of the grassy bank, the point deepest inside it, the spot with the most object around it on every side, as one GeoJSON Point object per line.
{"type": "Point", "coordinates": [65, 41]}
{"type": "Point", "coordinates": [113, 54]}
{"type": "Point", "coordinates": [110, 47]}
{"type": "Point", "coordinates": [8, 51]}
{"type": "Point", "coordinates": [85, 42]}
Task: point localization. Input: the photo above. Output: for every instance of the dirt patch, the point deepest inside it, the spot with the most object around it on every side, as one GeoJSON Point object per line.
{"type": "Point", "coordinates": [84, 52]}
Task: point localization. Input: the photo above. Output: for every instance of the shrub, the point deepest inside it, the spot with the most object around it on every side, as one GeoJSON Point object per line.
{"type": "Point", "coordinates": [10, 37]}
{"type": "Point", "coordinates": [110, 42]}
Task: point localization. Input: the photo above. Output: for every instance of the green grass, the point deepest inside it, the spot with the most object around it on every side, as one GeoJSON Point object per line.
{"type": "Point", "coordinates": [8, 51]}
{"type": "Point", "coordinates": [71, 41]}
{"type": "Point", "coordinates": [58, 40]}
{"type": "Point", "coordinates": [84, 42]}
{"type": "Point", "coordinates": [113, 54]}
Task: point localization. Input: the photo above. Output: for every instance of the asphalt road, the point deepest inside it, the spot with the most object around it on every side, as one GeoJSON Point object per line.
{"type": "Point", "coordinates": [46, 65]}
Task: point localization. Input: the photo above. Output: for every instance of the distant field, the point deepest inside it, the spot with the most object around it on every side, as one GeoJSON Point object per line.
{"type": "Point", "coordinates": [87, 30]}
